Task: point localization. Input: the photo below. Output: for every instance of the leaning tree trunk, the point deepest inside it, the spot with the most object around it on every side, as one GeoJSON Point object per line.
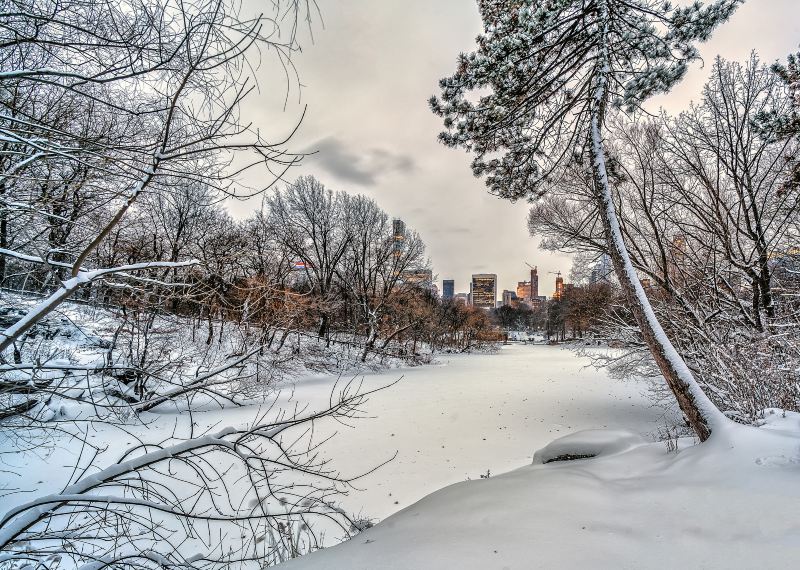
{"type": "Point", "coordinates": [700, 412]}
{"type": "Point", "coordinates": [702, 415]}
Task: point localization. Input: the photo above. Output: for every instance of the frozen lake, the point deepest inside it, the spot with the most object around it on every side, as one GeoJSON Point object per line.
{"type": "Point", "coordinates": [455, 420]}
{"type": "Point", "coordinates": [472, 413]}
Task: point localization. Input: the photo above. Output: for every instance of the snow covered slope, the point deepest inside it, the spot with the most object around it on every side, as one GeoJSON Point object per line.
{"type": "Point", "coordinates": [733, 502]}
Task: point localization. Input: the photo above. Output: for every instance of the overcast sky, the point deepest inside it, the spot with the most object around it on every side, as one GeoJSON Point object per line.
{"type": "Point", "coordinates": [366, 80]}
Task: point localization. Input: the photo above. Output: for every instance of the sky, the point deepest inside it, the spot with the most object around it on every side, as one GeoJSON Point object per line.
{"type": "Point", "coordinates": [364, 82]}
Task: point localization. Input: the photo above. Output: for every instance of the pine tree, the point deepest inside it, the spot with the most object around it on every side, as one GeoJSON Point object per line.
{"type": "Point", "coordinates": [789, 124]}
{"type": "Point", "coordinates": [786, 125]}
{"type": "Point", "coordinates": [532, 100]}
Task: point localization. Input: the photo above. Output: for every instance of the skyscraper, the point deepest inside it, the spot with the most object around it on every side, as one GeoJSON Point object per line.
{"type": "Point", "coordinates": [559, 287]}
{"type": "Point", "coordinates": [602, 270]}
{"type": "Point", "coordinates": [399, 236]}
{"type": "Point", "coordinates": [483, 290]}
{"type": "Point", "coordinates": [534, 284]}
{"type": "Point", "coordinates": [419, 277]}
{"type": "Point", "coordinates": [448, 289]}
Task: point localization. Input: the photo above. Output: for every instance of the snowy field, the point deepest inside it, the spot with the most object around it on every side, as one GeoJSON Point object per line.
{"type": "Point", "coordinates": [729, 503]}
{"type": "Point", "coordinates": [470, 414]}
{"type": "Point", "coordinates": [466, 416]}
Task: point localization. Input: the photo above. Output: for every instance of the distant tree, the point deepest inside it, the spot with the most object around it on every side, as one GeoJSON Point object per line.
{"type": "Point", "coordinates": [551, 70]}
{"type": "Point", "coordinates": [309, 222]}
{"type": "Point", "coordinates": [585, 307]}
{"type": "Point", "coordinates": [514, 318]}
{"type": "Point", "coordinates": [556, 323]}
{"type": "Point", "coordinates": [375, 265]}
{"type": "Point", "coordinates": [106, 102]}
{"type": "Point", "coordinates": [711, 225]}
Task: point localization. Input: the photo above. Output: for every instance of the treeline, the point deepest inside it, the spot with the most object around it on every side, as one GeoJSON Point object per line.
{"type": "Point", "coordinates": [708, 205]}
{"type": "Point", "coordinates": [310, 259]}
{"type": "Point", "coordinates": [579, 311]}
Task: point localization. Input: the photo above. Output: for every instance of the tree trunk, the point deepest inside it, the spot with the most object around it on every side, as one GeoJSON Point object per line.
{"type": "Point", "coordinates": [757, 303]}
{"type": "Point", "coordinates": [702, 415]}
{"type": "Point", "coordinates": [765, 279]}
{"type": "Point", "coordinates": [369, 343]}
{"type": "Point", "coordinates": [323, 325]}
{"type": "Point", "coordinates": [700, 412]}
{"type": "Point", "coordinates": [3, 234]}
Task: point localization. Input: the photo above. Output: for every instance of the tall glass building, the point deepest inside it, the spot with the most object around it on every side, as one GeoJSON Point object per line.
{"type": "Point", "coordinates": [448, 289]}
{"type": "Point", "coordinates": [483, 289]}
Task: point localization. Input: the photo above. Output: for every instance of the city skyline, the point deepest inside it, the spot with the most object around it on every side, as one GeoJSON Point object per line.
{"type": "Point", "coordinates": [500, 285]}
{"type": "Point", "coordinates": [366, 82]}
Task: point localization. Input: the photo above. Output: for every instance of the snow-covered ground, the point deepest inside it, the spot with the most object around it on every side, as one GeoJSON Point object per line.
{"type": "Point", "coordinates": [731, 502]}
{"type": "Point", "coordinates": [470, 414]}
{"type": "Point", "coordinates": [728, 503]}
{"type": "Point", "coordinates": [456, 420]}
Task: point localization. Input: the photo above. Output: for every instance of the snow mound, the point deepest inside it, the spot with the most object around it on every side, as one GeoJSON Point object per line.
{"type": "Point", "coordinates": [586, 444]}
{"type": "Point", "coordinates": [728, 503]}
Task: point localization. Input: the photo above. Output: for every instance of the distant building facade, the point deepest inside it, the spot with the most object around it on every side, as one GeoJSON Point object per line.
{"type": "Point", "coordinates": [536, 303]}
{"type": "Point", "coordinates": [510, 299]}
{"type": "Point", "coordinates": [421, 278]}
{"type": "Point", "coordinates": [602, 270]}
{"type": "Point", "coordinates": [524, 290]}
{"type": "Point", "coordinates": [534, 292]}
{"type": "Point", "coordinates": [559, 292]}
{"type": "Point", "coordinates": [448, 289]}
{"type": "Point", "coordinates": [398, 236]}
{"type": "Point", "coordinates": [529, 290]}
{"type": "Point", "coordinates": [483, 290]}
{"type": "Point", "coordinates": [461, 298]}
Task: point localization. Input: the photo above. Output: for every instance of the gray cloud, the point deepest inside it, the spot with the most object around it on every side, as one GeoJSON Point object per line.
{"type": "Point", "coordinates": [362, 168]}
{"type": "Point", "coordinates": [458, 230]}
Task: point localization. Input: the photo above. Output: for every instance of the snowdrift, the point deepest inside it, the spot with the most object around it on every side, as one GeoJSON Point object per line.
{"type": "Point", "coordinates": [732, 502]}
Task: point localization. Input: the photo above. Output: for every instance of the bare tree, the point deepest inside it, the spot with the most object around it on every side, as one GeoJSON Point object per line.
{"type": "Point", "coordinates": [377, 262]}
{"type": "Point", "coordinates": [153, 93]}
{"type": "Point", "coordinates": [735, 175]}
{"type": "Point", "coordinates": [309, 221]}
{"type": "Point", "coordinates": [183, 502]}
{"type": "Point", "coordinates": [702, 201]}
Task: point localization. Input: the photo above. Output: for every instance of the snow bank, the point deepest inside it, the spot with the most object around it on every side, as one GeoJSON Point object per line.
{"type": "Point", "coordinates": [728, 503]}
{"type": "Point", "coordinates": [586, 444]}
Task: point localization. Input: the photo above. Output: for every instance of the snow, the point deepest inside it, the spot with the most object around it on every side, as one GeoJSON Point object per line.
{"type": "Point", "coordinates": [730, 502]}
{"type": "Point", "coordinates": [590, 442]}
{"type": "Point", "coordinates": [446, 423]}
{"type": "Point", "coordinates": [68, 287]}
{"type": "Point", "coordinates": [710, 414]}
{"type": "Point", "coordinates": [473, 413]}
